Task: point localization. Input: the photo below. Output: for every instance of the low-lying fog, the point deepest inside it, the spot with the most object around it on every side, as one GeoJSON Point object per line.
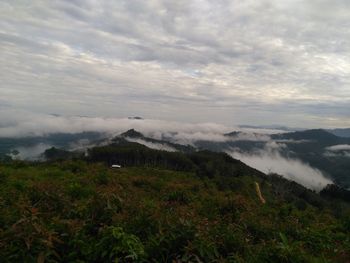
{"type": "Point", "coordinates": [268, 160]}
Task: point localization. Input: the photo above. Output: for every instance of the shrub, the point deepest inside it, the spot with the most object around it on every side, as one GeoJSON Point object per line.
{"type": "Point", "coordinates": [55, 173]}
{"type": "Point", "coordinates": [3, 177]}
{"type": "Point", "coordinates": [178, 196]}
{"type": "Point", "coordinates": [74, 166]}
{"type": "Point", "coordinates": [117, 245]}
{"type": "Point", "coordinates": [102, 178]}
{"type": "Point", "coordinates": [46, 196]}
{"type": "Point", "coordinates": [141, 183]}
{"type": "Point", "coordinates": [21, 186]}
{"type": "Point", "coordinates": [171, 242]}
{"type": "Point", "coordinates": [28, 239]}
{"type": "Point", "coordinates": [300, 204]}
{"type": "Point", "coordinates": [77, 191]}
{"type": "Point", "coordinates": [206, 250]}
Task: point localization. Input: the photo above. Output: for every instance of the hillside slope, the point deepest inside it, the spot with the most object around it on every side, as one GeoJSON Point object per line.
{"type": "Point", "coordinates": [160, 211]}
{"type": "Point", "coordinates": [312, 147]}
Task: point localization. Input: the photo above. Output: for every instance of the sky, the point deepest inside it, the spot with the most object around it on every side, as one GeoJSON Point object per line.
{"type": "Point", "coordinates": [231, 62]}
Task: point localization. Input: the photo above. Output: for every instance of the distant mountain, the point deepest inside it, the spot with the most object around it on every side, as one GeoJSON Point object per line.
{"type": "Point", "coordinates": [317, 135]}
{"type": "Point", "coordinates": [271, 127]}
{"type": "Point", "coordinates": [243, 141]}
{"type": "Point", "coordinates": [233, 134]}
{"type": "Point", "coordinates": [341, 132]}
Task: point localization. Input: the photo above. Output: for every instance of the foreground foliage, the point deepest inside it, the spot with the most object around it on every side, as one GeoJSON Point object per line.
{"type": "Point", "coordinates": [74, 211]}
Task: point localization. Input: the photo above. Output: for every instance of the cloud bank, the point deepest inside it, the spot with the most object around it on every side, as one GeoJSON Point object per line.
{"type": "Point", "coordinates": [19, 123]}
{"type": "Point", "coordinates": [15, 123]}
{"type": "Point", "coordinates": [269, 160]}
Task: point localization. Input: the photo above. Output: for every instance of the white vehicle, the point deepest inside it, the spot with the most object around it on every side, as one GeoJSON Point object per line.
{"type": "Point", "coordinates": [116, 166]}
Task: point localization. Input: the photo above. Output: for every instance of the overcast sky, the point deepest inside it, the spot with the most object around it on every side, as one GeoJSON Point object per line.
{"type": "Point", "coordinates": [231, 62]}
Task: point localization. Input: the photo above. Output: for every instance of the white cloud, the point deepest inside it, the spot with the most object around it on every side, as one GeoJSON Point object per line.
{"type": "Point", "coordinates": [339, 147]}
{"type": "Point", "coordinates": [269, 160]}
{"type": "Point", "coordinates": [339, 150]}
{"type": "Point", "coordinates": [153, 145]}
{"type": "Point", "coordinates": [31, 153]}
{"type": "Point", "coordinates": [15, 123]}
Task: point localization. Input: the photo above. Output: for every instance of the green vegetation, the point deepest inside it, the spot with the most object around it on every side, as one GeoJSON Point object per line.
{"type": "Point", "coordinates": [164, 207]}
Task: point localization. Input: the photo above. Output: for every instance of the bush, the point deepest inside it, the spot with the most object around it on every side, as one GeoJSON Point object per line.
{"type": "Point", "coordinates": [102, 178]}
{"type": "Point", "coordinates": [3, 177]}
{"type": "Point", "coordinates": [102, 207]}
{"type": "Point", "coordinates": [116, 245]}
{"type": "Point", "coordinates": [141, 183]}
{"type": "Point", "coordinates": [178, 196]}
{"type": "Point", "coordinates": [78, 191]}
{"type": "Point", "coordinates": [74, 166]}
{"type": "Point", "coordinates": [172, 242]}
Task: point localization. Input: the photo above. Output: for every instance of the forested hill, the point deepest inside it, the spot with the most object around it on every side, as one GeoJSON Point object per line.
{"type": "Point", "coordinates": [135, 136]}
{"type": "Point", "coordinates": [164, 207]}
{"type": "Point", "coordinates": [204, 163]}
{"type": "Point", "coordinates": [134, 154]}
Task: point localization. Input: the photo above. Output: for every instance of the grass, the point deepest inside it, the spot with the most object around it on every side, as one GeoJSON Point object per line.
{"type": "Point", "coordinates": [80, 212]}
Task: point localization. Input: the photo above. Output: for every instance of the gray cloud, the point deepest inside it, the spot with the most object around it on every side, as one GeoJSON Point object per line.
{"type": "Point", "coordinates": [230, 61]}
